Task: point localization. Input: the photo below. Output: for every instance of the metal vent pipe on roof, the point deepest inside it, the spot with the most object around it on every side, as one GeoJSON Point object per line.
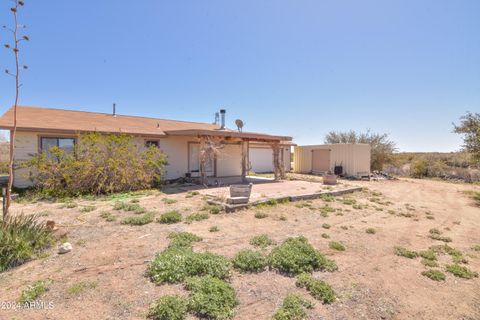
{"type": "Point", "coordinates": [114, 109]}
{"type": "Point", "coordinates": [222, 113]}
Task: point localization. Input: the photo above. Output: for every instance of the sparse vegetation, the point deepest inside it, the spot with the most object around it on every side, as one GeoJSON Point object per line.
{"type": "Point", "coordinates": [169, 201]}
{"type": "Point", "coordinates": [182, 239]}
{"type": "Point", "coordinates": [78, 288]}
{"type": "Point", "coordinates": [170, 217]}
{"type": "Point", "coordinates": [249, 261]}
{"type": "Point", "coordinates": [211, 297]}
{"type": "Point", "coordinates": [326, 226]}
{"type": "Point", "coordinates": [212, 209]}
{"type": "Point", "coordinates": [261, 241]}
{"type": "Point", "coordinates": [370, 231]}
{"type": "Point", "coordinates": [319, 289]}
{"type": "Point", "coordinates": [403, 252]}
{"type": "Point", "coordinates": [108, 216]}
{"type": "Point", "coordinates": [260, 215]}
{"type": "Point", "coordinates": [325, 236]}
{"type": "Point", "coordinates": [171, 307]}
{"type": "Point", "coordinates": [461, 271]}
{"type": "Point", "coordinates": [213, 229]}
{"type": "Point", "coordinates": [139, 220]}
{"type": "Point", "coordinates": [129, 207]}
{"type": "Point", "coordinates": [87, 209]}
{"type": "Point", "coordinates": [434, 275]}
{"type": "Point", "coordinates": [296, 255]}
{"type": "Point", "coordinates": [293, 308]}
{"type": "Point", "coordinates": [336, 246]}
{"type": "Point", "coordinates": [197, 217]}
{"type": "Point", "coordinates": [34, 291]}
{"type": "Point", "coordinates": [429, 263]}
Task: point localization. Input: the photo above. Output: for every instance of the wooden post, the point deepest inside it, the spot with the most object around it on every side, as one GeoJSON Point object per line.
{"type": "Point", "coordinates": [244, 146]}
{"type": "Point", "coordinates": [276, 160]}
{"type": "Point", "coordinates": [203, 158]}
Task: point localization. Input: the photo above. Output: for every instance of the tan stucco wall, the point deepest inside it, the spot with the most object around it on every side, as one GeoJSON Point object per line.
{"type": "Point", "coordinates": [176, 148]}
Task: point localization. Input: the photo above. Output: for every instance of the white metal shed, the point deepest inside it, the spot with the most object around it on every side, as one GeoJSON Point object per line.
{"type": "Point", "coordinates": [318, 159]}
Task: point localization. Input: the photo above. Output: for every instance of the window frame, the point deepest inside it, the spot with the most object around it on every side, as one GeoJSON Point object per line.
{"type": "Point", "coordinates": [146, 141]}
{"type": "Point", "coordinates": [58, 137]}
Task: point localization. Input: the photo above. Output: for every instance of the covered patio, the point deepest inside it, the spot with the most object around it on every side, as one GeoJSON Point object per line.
{"type": "Point", "coordinates": [213, 141]}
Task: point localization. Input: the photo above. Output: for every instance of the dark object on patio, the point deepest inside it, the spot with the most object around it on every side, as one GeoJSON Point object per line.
{"type": "Point", "coordinates": [240, 193]}
{"type": "Point", "coordinates": [338, 170]}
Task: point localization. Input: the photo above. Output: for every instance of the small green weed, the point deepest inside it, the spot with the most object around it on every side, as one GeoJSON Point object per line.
{"type": "Point", "coordinates": [319, 289]}
{"type": "Point", "coordinates": [197, 217]}
{"type": "Point", "coordinates": [260, 215]}
{"type": "Point", "coordinates": [171, 307]}
{"type": "Point", "coordinates": [34, 291]}
{"type": "Point", "coordinates": [261, 241]}
{"type": "Point", "coordinates": [108, 216]}
{"type": "Point", "coordinates": [403, 252]}
{"type": "Point", "coordinates": [78, 288]}
{"type": "Point", "coordinates": [370, 231]}
{"type": "Point", "coordinates": [213, 229]}
{"type": "Point", "coordinates": [249, 261]}
{"type": "Point", "coordinates": [182, 239]}
{"type": "Point", "coordinates": [461, 272]}
{"type": "Point", "coordinates": [336, 246]}
{"type": "Point", "coordinates": [293, 308]}
{"type": "Point", "coordinates": [139, 220]}
{"type": "Point", "coordinates": [170, 217]}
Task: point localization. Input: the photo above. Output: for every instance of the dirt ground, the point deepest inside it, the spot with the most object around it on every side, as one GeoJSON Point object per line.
{"type": "Point", "coordinates": [109, 259]}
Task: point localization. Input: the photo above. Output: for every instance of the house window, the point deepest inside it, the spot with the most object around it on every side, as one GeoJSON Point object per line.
{"type": "Point", "coordinates": [66, 144]}
{"type": "Point", "coordinates": [150, 143]}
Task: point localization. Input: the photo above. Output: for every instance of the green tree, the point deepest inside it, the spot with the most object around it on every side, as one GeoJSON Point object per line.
{"type": "Point", "coordinates": [469, 127]}
{"type": "Point", "coordinates": [382, 146]}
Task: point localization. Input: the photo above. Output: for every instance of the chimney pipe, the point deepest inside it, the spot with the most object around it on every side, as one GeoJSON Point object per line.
{"type": "Point", "coordinates": [222, 113]}
{"type": "Point", "coordinates": [114, 110]}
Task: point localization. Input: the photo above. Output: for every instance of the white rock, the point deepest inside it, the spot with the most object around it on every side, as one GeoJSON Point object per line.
{"type": "Point", "coordinates": [65, 247]}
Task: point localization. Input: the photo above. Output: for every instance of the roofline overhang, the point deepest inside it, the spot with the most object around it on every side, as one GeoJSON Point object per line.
{"type": "Point", "coordinates": [70, 131]}
{"type": "Point", "coordinates": [252, 136]}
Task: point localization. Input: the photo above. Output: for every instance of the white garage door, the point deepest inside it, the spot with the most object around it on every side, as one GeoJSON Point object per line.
{"type": "Point", "coordinates": [261, 159]}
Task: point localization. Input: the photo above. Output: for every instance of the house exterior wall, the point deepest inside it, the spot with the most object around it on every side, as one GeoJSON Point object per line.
{"type": "Point", "coordinates": [355, 158]}
{"type": "Point", "coordinates": [228, 161]}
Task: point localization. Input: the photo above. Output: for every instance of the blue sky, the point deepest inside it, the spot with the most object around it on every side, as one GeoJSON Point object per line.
{"type": "Point", "coordinates": [302, 68]}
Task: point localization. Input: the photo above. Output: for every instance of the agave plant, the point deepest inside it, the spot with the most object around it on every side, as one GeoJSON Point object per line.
{"type": "Point", "coordinates": [21, 238]}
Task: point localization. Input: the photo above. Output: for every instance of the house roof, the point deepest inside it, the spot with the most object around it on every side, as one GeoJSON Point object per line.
{"type": "Point", "coordinates": [59, 120]}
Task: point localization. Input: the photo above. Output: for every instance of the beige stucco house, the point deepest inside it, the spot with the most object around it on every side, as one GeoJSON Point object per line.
{"type": "Point", "coordinates": [40, 128]}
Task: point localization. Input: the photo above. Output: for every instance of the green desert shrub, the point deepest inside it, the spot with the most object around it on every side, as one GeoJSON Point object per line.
{"type": "Point", "coordinates": [170, 217]}
{"type": "Point", "coordinates": [293, 308]}
{"type": "Point", "coordinates": [34, 291]}
{"type": "Point", "coordinates": [108, 216]}
{"type": "Point", "coordinates": [296, 255]}
{"type": "Point", "coordinates": [175, 264]}
{"type": "Point", "coordinates": [260, 215]}
{"type": "Point", "coordinates": [169, 201]}
{"type": "Point", "coordinates": [461, 272]}
{"type": "Point", "coordinates": [325, 236]}
{"type": "Point", "coordinates": [22, 237]}
{"type": "Point", "coordinates": [182, 239]}
{"type": "Point", "coordinates": [370, 231]}
{"type": "Point", "coordinates": [261, 241]}
{"type": "Point", "coordinates": [250, 261]}
{"type": "Point", "coordinates": [130, 207]}
{"type": "Point", "coordinates": [172, 307]}
{"type": "Point", "coordinates": [212, 208]}
{"type": "Point", "coordinates": [403, 252]}
{"type": "Point", "coordinates": [319, 289]}
{"type": "Point", "coordinates": [211, 297]}
{"type": "Point", "coordinates": [434, 275]}
{"type": "Point", "coordinates": [197, 217]}
{"type": "Point", "coordinates": [97, 166]}
{"type": "Point", "coordinates": [139, 220]}
{"type": "Point", "coordinates": [428, 254]}
{"type": "Point", "coordinates": [429, 263]}
{"type": "Point", "coordinates": [213, 229]}
{"type": "Point", "coordinates": [326, 226]}
{"type": "Point", "coordinates": [336, 246]}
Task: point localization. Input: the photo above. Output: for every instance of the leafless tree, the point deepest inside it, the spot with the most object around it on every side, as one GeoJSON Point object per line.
{"type": "Point", "coordinates": [14, 46]}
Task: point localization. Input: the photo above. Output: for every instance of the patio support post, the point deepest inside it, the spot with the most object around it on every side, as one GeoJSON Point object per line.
{"type": "Point", "coordinates": [203, 159]}
{"type": "Point", "coordinates": [278, 170]}
{"type": "Point", "coordinates": [244, 146]}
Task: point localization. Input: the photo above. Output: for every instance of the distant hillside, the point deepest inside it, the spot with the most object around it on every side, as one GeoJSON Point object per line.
{"type": "Point", "coordinates": [449, 166]}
